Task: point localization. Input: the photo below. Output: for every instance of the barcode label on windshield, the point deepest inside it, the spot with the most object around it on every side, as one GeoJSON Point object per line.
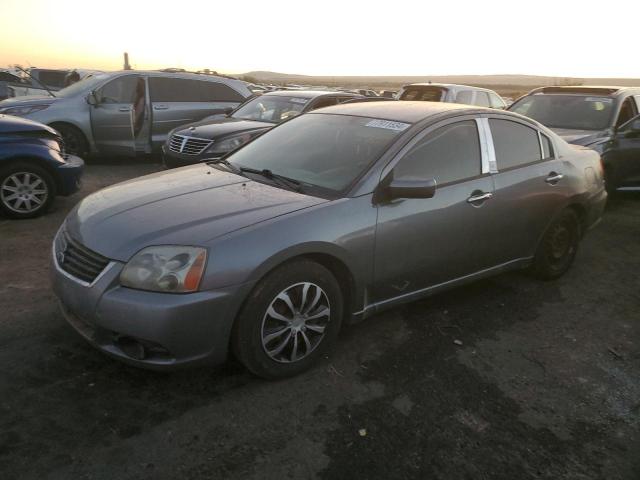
{"type": "Point", "coordinates": [388, 124]}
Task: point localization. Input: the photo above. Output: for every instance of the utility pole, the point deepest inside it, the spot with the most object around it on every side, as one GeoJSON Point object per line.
{"type": "Point", "coordinates": [126, 61]}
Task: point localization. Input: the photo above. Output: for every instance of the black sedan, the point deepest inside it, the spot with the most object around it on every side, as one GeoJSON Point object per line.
{"type": "Point", "coordinates": [605, 119]}
{"type": "Point", "coordinates": [33, 167]}
{"type": "Point", "coordinates": [214, 137]}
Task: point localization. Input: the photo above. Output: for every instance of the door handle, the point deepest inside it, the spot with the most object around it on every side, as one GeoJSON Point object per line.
{"type": "Point", "coordinates": [124, 109]}
{"type": "Point", "coordinates": [161, 107]}
{"type": "Point", "coordinates": [554, 178]}
{"type": "Point", "coordinates": [480, 197]}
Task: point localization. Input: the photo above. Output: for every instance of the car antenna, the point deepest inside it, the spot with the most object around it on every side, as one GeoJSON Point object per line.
{"type": "Point", "coordinates": [34, 78]}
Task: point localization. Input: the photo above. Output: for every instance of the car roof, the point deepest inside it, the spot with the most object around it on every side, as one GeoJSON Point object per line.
{"type": "Point", "coordinates": [585, 90]}
{"type": "Point", "coordinates": [183, 75]}
{"type": "Point", "coordinates": [407, 112]}
{"type": "Point", "coordinates": [447, 85]}
{"type": "Point", "coordinates": [307, 93]}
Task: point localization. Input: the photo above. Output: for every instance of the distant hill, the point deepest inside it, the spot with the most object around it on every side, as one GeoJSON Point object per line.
{"type": "Point", "coordinates": [504, 84]}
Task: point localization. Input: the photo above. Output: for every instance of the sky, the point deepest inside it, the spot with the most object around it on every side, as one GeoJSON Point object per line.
{"type": "Point", "coordinates": [564, 38]}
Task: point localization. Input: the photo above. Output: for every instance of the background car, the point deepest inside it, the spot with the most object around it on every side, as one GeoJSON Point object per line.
{"type": "Point", "coordinates": [602, 118]}
{"type": "Point", "coordinates": [215, 137]}
{"type": "Point", "coordinates": [451, 93]}
{"type": "Point", "coordinates": [129, 112]}
{"type": "Point", "coordinates": [34, 167]}
{"type": "Point", "coordinates": [329, 217]}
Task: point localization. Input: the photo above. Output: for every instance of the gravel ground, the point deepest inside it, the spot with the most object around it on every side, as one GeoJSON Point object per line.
{"type": "Point", "coordinates": [508, 378]}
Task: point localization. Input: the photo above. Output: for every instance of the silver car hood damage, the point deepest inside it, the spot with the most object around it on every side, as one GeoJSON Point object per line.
{"type": "Point", "coordinates": [186, 206]}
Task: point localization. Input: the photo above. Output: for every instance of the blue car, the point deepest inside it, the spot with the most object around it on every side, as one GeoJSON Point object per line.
{"type": "Point", "coordinates": [34, 167]}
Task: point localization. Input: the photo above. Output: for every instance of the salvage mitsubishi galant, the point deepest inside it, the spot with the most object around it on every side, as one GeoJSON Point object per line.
{"type": "Point", "coordinates": [329, 217]}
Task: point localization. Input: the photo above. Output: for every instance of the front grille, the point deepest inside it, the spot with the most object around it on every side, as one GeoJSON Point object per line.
{"type": "Point", "coordinates": [77, 260]}
{"type": "Point", "coordinates": [188, 145]}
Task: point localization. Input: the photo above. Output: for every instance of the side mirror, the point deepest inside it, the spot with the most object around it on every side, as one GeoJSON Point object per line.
{"type": "Point", "coordinates": [227, 111]}
{"type": "Point", "coordinates": [92, 98]}
{"type": "Point", "coordinates": [412, 188]}
{"type": "Point", "coordinates": [403, 188]}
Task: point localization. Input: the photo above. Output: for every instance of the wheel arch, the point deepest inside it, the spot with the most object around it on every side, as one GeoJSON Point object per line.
{"type": "Point", "coordinates": [87, 137]}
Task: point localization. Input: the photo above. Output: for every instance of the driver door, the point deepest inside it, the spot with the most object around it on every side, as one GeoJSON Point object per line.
{"type": "Point", "coordinates": [119, 114]}
{"type": "Point", "coordinates": [624, 156]}
{"type": "Point", "coordinates": [421, 243]}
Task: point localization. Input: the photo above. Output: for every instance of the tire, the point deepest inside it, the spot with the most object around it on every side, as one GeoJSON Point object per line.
{"type": "Point", "coordinates": [558, 247]}
{"type": "Point", "coordinates": [26, 190]}
{"type": "Point", "coordinates": [266, 314]}
{"type": "Point", "coordinates": [75, 142]}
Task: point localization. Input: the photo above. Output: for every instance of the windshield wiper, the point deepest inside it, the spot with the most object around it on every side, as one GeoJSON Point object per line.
{"type": "Point", "coordinates": [226, 163]}
{"type": "Point", "coordinates": [266, 173]}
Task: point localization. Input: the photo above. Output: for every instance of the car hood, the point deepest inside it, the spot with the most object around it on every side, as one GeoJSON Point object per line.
{"type": "Point", "coordinates": [213, 129]}
{"type": "Point", "coordinates": [17, 125]}
{"type": "Point", "coordinates": [580, 137]}
{"type": "Point", "coordinates": [28, 101]}
{"type": "Point", "coordinates": [185, 206]}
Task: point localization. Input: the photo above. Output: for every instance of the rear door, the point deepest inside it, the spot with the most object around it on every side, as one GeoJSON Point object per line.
{"type": "Point", "coordinates": [112, 118]}
{"type": "Point", "coordinates": [529, 188]}
{"type": "Point", "coordinates": [421, 243]}
{"type": "Point", "coordinates": [177, 101]}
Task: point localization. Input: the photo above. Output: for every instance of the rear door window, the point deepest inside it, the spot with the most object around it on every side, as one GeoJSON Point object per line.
{"type": "Point", "coordinates": [482, 99]}
{"type": "Point", "coordinates": [449, 154]}
{"type": "Point", "coordinates": [515, 144]}
{"type": "Point", "coordinates": [184, 90]}
{"type": "Point", "coordinates": [464, 96]}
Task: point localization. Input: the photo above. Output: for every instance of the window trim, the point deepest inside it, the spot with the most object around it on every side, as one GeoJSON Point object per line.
{"type": "Point", "coordinates": [397, 158]}
{"type": "Point", "coordinates": [524, 124]}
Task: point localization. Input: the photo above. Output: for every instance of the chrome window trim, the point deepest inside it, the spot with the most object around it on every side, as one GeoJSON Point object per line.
{"type": "Point", "coordinates": [59, 269]}
{"type": "Point", "coordinates": [489, 164]}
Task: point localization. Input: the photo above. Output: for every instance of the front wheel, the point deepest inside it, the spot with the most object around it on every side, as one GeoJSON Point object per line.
{"type": "Point", "coordinates": [75, 142]}
{"type": "Point", "coordinates": [558, 247]}
{"type": "Point", "coordinates": [26, 190]}
{"type": "Point", "coordinates": [289, 321]}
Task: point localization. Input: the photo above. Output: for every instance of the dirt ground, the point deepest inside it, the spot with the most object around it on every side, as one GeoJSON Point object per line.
{"type": "Point", "coordinates": [508, 378]}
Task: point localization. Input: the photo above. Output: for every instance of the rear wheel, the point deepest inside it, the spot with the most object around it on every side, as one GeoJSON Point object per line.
{"type": "Point", "coordinates": [26, 190]}
{"type": "Point", "coordinates": [558, 247]}
{"type": "Point", "coordinates": [289, 321]}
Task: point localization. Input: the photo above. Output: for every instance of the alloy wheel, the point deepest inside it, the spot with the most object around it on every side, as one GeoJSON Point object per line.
{"type": "Point", "coordinates": [295, 322]}
{"type": "Point", "coordinates": [24, 192]}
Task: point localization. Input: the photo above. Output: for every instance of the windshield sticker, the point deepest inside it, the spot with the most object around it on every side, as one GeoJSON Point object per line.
{"type": "Point", "coordinates": [389, 125]}
{"type": "Point", "coordinates": [599, 99]}
{"type": "Point", "coordinates": [299, 100]}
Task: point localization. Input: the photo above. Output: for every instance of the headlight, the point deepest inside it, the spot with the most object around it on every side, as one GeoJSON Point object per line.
{"type": "Point", "coordinates": [231, 143]}
{"type": "Point", "coordinates": [168, 268]}
{"type": "Point", "coordinates": [23, 110]}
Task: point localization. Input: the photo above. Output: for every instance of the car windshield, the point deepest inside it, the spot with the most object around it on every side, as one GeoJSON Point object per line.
{"type": "Point", "coordinates": [575, 112]}
{"type": "Point", "coordinates": [87, 84]}
{"type": "Point", "coordinates": [321, 150]}
{"type": "Point", "coordinates": [271, 108]}
{"type": "Point", "coordinates": [423, 93]}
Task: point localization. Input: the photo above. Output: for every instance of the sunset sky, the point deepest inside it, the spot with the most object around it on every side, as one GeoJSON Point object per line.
{"type": "Point", "coordinates": [557, 38]}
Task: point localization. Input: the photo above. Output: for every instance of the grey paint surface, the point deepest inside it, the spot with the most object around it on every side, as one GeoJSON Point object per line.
{"type": "Point", "coordinates": [394, 252]}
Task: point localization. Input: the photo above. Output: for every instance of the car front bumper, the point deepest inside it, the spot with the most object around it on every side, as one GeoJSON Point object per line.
{"type": "Point", "coordinates": [148, 329]}
{"type": "Point", "coordinates": [69, 175]}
